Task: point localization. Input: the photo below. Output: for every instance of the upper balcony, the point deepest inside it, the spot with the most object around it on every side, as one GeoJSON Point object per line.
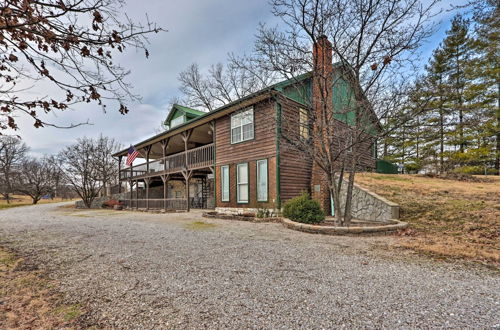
{"type": "Point", "coordinates": [192, 159]}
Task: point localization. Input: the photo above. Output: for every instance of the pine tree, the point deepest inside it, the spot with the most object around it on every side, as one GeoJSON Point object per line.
{"type": "Point", "coordinates": [457, 52]}
{"type": "Point", "coordinates": [437, 118]}
{"type": "Point", "coordinates": [458, 128]}
{"type": "Point", "coordinates": [486, 70]}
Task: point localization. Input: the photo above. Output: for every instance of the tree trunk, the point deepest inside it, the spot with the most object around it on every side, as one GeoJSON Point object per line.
{"type": "Point", "coordinates": [335, 191]}
{"type": "Point", "coordinates": [441, 141]}
{"type": "Point", "coordinates": [497, 156]}
{"type": "Point", "coordinates": [348, 197]}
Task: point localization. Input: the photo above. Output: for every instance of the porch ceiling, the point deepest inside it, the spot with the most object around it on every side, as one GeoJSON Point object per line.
{"type": "Point", "coordinates": [201, 135]}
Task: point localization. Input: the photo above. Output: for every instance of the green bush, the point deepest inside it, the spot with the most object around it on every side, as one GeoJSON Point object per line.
{"type": "Point", "coordinates": [303, 209]}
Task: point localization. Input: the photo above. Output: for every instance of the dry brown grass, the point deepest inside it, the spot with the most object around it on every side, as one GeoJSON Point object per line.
{"type": "Point", "coordinates": [22, 200]}
{"type": "Point", "coordinates": [448, 218]}
{"type": "Point", "coordinates": [28, 300]}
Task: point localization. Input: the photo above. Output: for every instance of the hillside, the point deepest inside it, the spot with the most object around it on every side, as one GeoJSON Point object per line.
{"type": "Point", "coordinates": [448, 218]}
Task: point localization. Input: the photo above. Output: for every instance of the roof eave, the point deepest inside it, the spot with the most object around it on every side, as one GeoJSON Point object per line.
{"type": "Point", "coordinates": [203, 119]}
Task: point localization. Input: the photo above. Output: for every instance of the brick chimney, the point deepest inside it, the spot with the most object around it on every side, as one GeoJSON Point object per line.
{"type": "Point", "coordinates": [322, 55]}
{"type": "Point", "coordinates": [321, 98]}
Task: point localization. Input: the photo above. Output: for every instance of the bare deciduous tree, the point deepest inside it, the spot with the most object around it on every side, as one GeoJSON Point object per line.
{"type": "Point", "coordinates": [374, 44]}
{"type": "Point", "coordinates": [107, 167]}
{"type": "Point", "coordinates": [12, 153]}
{"type": "Point", "coordinates": [86, 166]}
{"type": "Point", "coordinates": [222, 84]}
{"type": "Point", "coordinates": [36, 178]}
{"type": "Point", "coordinates": [68, 44]}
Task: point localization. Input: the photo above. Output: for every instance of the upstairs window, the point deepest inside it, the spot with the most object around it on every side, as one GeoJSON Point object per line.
{"type": "Point", "coordinates": [242, 126]}
{"type": "Point", "coordinates": [350, 142]}
{"type": "Point", "coordinates": [304, 123]}
{"type": "Point", "coordinates": [177, 121]}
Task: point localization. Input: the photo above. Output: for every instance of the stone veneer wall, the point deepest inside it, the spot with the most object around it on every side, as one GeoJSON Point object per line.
{"type": "Point", "coordinates": [240, 210]}
{"type": "Point", "coordinates": [366, 205]}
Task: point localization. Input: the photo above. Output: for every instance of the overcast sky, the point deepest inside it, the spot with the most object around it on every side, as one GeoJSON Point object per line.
{"type": "Point", "coordinates": [201, 31]}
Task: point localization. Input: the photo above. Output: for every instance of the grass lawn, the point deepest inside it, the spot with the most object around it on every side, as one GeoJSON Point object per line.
{"type": "Point", "coordinates": [21, 200]}
{"type": "Point", "coordinates": [448, 218]}
{"type": "Point", "coordinates": [29, 301]}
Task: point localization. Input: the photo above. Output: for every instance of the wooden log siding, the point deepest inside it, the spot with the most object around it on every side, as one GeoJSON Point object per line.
{"type": "Point", "coordinates": [263, 146]}
{"type": "Point", "coordinates": [196, 158]}
{"type": "Point", "coordinates": [295, 169]}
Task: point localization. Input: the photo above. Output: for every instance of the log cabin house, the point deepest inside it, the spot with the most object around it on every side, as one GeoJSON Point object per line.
{"type": "Point", "coordinates": [233, 159]}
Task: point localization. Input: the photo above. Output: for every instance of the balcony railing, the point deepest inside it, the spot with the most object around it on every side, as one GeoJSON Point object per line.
{"type": "Point", "coordinates": [192, 159]}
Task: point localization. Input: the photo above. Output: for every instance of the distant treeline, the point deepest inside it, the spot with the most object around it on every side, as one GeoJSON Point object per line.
{"type": "Point", "coordinates": [455, 103]}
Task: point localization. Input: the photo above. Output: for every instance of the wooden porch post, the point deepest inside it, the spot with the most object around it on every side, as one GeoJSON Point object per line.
{"type": "Point", "coordinates": [148, 151]}
{"type": "Point", "coordinates": [146, 181]}
{"type": "Point", "coordinates": [165, 178]}
{"type": "Point", "coordinates": [137, 194]}
{"type": "Point", "coordinates": [186, 173]}
{"type": "Point", "coordinates": [164, 147]}
{"type": "Point", "coordinates": [131, 196]}
{"type": "Point", "coordinates": [119, 174]}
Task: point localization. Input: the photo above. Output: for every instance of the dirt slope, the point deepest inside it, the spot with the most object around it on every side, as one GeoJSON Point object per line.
{"type": "Point", "coordinates": [448, 218]}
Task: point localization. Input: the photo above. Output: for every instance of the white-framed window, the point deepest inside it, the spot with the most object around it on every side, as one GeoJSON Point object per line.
{"type": "Point", "coordinates": [262, 184]}
{"type": "Point", "coordinates": [242, 183]}
{"type": "Point", "coordinates": [177, 121]}
{"type": "Point", "coordinates": [224, 178]}
{"type": "Point", "coordinates": [242, 126]}
{"type": "Point", "coordinates": [303, 123]}
{"type": "Point", "coordinates": [350, 142]}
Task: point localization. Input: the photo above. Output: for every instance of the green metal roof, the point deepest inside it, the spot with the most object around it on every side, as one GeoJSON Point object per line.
{"type": "Point", "coordinates": [189, 110]}
{"type": "Point", "coordinates": [178, 107]}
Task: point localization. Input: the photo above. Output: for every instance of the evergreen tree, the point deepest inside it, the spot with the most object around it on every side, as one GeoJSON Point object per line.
{"type": "Point", "coordinates": [456, 126]}
{"type": "Point", "coordinates": [457, 52]}
{"type": "Point", "coordinates": [437, 117]}
{"type": "Point", "coordinates": [486, 71]}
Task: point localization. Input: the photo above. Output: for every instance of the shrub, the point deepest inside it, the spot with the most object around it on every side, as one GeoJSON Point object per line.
{"type": "Point", "coordinates": [303, 209]}
{"type": "Point", "coordinates": [111, 203]}
{"type": "Point", "coordinates": [264, 213]}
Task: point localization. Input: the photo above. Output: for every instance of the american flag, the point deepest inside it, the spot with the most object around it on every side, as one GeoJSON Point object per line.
{"type": "Point", "coordinates": [131, 155]}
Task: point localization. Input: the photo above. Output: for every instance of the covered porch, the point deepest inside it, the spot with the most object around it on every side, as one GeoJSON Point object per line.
{"type": "Point", "coordinates": [175, 170]}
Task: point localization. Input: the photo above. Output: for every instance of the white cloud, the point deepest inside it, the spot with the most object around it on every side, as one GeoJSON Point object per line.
{"type": "Point", "coordinates": [201, 31]}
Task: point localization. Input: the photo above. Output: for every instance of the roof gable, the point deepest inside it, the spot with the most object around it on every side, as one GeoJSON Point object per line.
{"type": "Point", "coordinates": [180, 110]}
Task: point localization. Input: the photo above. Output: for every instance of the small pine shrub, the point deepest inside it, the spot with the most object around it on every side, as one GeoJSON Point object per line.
{"type": "Point", "coordinates": [303, 209]}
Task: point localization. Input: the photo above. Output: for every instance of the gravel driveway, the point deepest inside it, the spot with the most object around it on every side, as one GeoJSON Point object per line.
{"type": "Point", "coordinates": [137, 270]}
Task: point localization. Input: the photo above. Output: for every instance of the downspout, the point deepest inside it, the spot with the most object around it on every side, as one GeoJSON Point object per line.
{"type": "Point", "coordinates": [277, 106]}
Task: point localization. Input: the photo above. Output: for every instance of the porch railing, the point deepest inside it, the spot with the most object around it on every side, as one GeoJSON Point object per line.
{"type": "Point", "coordinates": [168, 203]}
{"type": "Point", "coordinates": [191, 159]}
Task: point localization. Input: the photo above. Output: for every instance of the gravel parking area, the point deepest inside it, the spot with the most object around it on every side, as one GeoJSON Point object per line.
{"type": "Point", "coordinates": [138, 270]}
